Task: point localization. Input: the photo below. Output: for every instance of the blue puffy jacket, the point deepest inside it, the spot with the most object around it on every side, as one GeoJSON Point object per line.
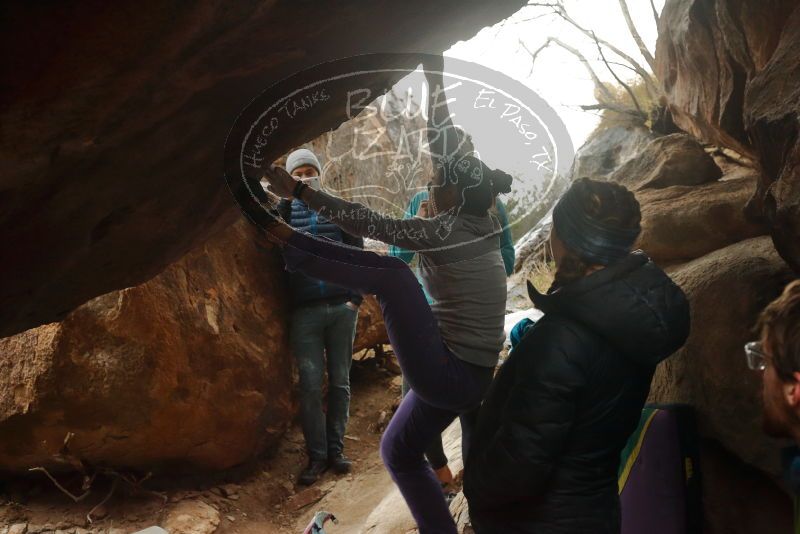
{"type": "Point", "coordinates": [304, 289]}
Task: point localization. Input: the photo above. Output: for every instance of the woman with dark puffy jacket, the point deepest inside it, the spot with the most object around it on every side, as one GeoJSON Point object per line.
{"type": "Point", "coordinates": [546, 449]}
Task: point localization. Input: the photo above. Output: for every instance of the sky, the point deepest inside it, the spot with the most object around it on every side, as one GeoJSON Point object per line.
{"type": "Point", "coordinates": [526, 142]}
{"type": "Point", "coordinates": [558, 76]}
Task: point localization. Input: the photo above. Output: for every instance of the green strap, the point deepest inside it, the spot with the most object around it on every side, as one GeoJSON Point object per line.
{"type": "Point", "coordinates": [631, 451]}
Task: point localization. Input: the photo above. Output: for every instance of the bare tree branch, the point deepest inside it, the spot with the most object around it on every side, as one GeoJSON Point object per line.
{"type": "Point", "coordinates": [534, 54]}
{"type": "Point", "coordinates": [105, 500]}
{"type": "Point", "coordinates": [619, 80]}
{"type": "Point", "coordinates": [535, 17]}
{"type": "Point", "coordinates": [623, 65]}
{"type": "Point", "coordinates": [641, 71]}
{"type": "Point", "coordinates": [636, 37]}
{"type": "Point", "coordinates": [76, 498]}
{"type": "Point", "coordinates": [557, 7]}
{"type": "Point", "coordinates": [656, 17]}
{"type": "Point", "coordinates": [599, 85]}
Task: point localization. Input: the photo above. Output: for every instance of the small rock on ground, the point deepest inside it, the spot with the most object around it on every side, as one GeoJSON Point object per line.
{"type": "Point", "coordinates": [192, 517]}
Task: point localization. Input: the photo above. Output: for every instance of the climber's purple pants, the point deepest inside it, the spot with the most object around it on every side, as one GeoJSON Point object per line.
{"type": "Point", "coordinates": [442, 386]}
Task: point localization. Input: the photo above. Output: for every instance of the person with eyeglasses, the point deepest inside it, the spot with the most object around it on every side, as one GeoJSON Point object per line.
{"type": "Point", "coordinates": [776, 355]}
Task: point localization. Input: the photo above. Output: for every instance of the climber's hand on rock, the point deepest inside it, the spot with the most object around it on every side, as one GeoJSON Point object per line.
{"type": "Point", "coordinates": [281, 183]}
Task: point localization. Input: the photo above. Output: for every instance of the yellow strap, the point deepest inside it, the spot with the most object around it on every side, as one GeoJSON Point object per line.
{"type": "Point", "coordinates": [623, 479]}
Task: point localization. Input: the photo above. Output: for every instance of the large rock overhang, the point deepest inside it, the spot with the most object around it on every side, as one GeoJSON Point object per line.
{"type": "Point", "coordinates": [114, 119]}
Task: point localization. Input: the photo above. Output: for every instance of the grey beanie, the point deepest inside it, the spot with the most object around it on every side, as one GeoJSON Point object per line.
{"type": "Point", "coordinates": [300, 157]}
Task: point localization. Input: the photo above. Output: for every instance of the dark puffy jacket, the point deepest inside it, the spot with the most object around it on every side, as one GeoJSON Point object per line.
{"type": "Point", "coordinates": [546, 449]}
{"type": "Point", "coordinates": [306, 290]}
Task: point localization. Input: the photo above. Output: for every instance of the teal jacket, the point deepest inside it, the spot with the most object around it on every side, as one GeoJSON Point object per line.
{"type": "Point", "coordinates": [506, 244]}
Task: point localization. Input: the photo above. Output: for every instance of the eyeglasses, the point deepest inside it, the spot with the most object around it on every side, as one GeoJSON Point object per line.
{"type": "Point", "coordinates": [756, 358]}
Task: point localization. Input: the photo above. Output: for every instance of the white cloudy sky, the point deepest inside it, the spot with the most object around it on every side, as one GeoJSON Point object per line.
{"type": "Point", "coordinates": [558, 77]}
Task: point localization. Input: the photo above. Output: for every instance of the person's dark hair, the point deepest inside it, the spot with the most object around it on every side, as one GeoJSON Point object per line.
{"type": "Point", "coordinates": [477, 184]}
{"type": "Point", "coordinates": [780, 321]}
{"type": "Point", "coordinates": [608, 204]}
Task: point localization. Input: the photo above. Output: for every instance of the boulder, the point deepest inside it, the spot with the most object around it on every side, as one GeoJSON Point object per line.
{"type": "Point", "coordinates": [607, 149]}
{"type": "Point", "coordinates": [730, 72]}
{"type": "Point", "coordinates": [370, 331]}
{"type": "Point", "coordinates": [114, 123]}
{"type": "Point", "coordinates": [727, 290]}
{"type": "Point", "coordinates": [706, 54]}
{"type": "Point", "coordinates": [681, 223]}
{"type": "Point", "coordinates": [676, 159]}
{"type": "Point", "coordinates": [772, 118]}
{"type": "Point", "coordinates": [738, 498]}
{"type": "Point", "coordinates": [189, 371]}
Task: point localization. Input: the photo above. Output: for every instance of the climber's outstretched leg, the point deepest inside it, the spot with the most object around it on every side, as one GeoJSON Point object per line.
{"type": "Point", "coordinates": [415, 425]}
{"type": "Point", "coordinates": [433, 372]}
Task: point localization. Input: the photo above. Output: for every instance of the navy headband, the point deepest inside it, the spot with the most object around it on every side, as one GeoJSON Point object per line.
{"type": "Point", "coordinates": [591, 240]}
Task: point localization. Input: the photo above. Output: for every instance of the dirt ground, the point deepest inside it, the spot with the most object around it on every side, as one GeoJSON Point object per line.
{"type": "Point", "coordinates": [260, 498]}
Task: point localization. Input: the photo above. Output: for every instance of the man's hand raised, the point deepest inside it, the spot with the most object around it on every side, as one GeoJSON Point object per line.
{"type": "Point", "coordinates": [281, 183]}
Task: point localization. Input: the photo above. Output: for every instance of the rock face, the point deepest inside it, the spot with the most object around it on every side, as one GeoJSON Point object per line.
{"type": "Point", "coordinates": [676, 159]}
{"type": "Point", "coordinates": [738, 498]}
{"type": "Point", "coordinates": [730, 71]}
{"type": "Point", "coordinates": [189, 370]}
{"type": "Point", "coordinates": [772, 118]}
{"type": "Point", "coordinates": [727, 290]}
{"type": "Point", "coordinates": [681, 223]}
{"type": "Point", "coordinates": [114, 123]}
{"type": "Point", "coordinates": [370, 331]}
{"type": "Point", "coordinates": [687, 211]}
{"type": "Point", "coordinates": [607, 149]}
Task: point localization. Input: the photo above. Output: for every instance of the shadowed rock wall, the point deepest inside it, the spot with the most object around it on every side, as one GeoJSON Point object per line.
{"type": "Point", "coordinates": [113, 118]}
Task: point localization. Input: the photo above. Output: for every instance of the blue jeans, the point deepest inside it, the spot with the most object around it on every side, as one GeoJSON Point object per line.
{"type": "Point", "coordinates": [322, 338]}
{"type": "Point", "coordinates": [442, 386]}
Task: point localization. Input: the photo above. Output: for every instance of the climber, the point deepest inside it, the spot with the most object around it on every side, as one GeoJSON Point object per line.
{"type": "Point", "coordinates": [546, 447]}
{"type": "Point", "coordinates": [322, 327]}
{"type": "Point", "coordinates": [447, 350]}
{"type": "Point", "coordinates": [777, 355]}
{"type": "Point", "coordinates": [418, 207]}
